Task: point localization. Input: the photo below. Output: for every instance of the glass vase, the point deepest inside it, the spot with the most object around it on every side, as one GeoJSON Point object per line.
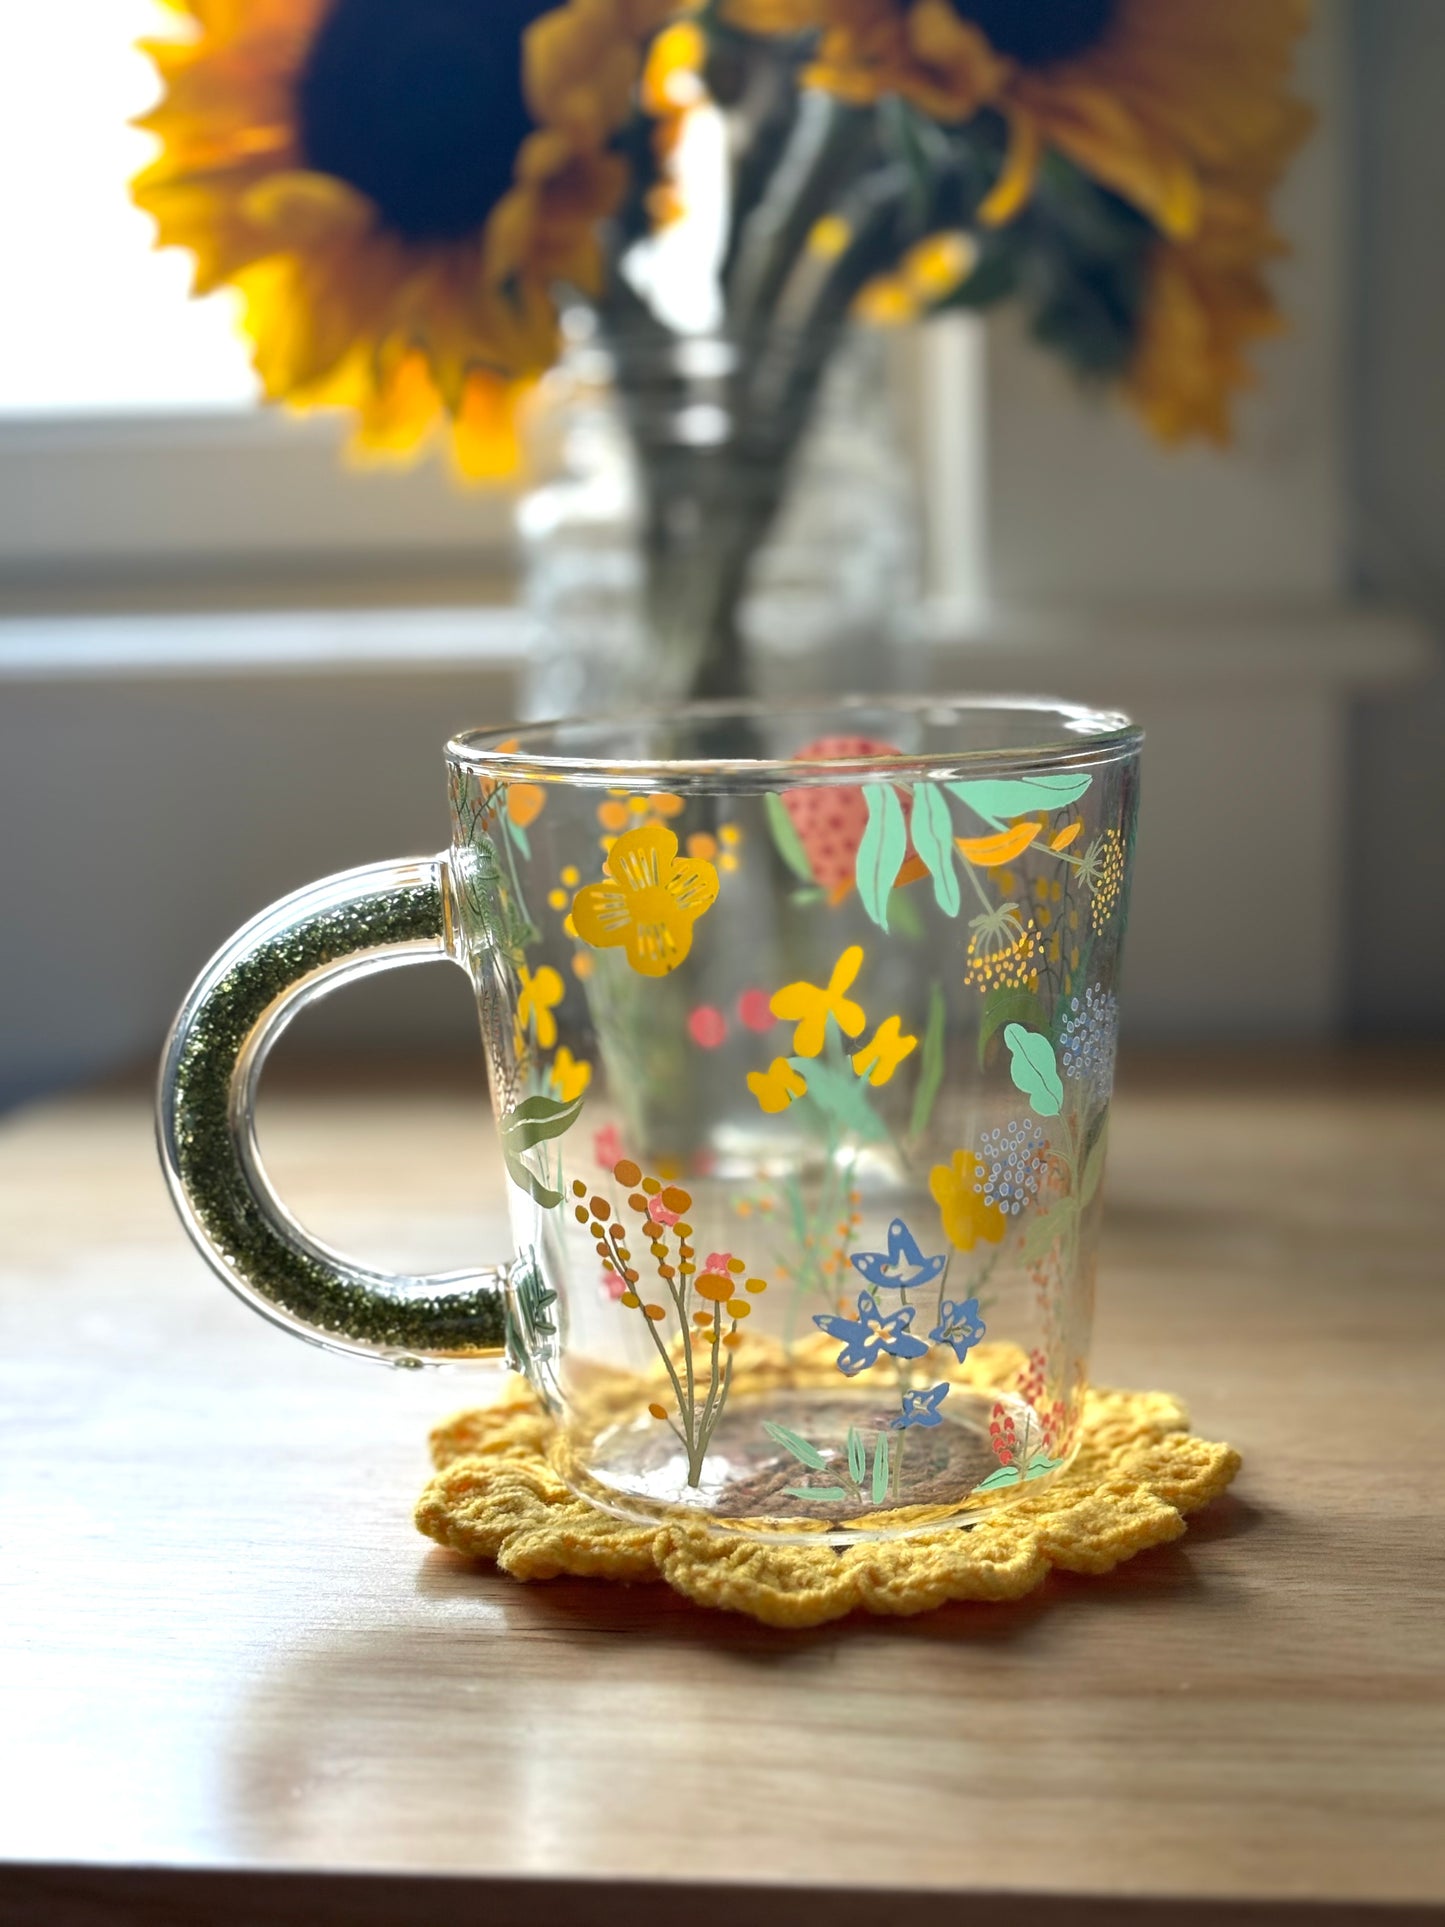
{"type": "Point", "coordinates": [701, 526]}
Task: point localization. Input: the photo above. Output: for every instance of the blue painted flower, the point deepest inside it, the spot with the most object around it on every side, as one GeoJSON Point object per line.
{"type": "Point", "coordinates": [1088, 1039]}
{"type": "Point", "coordinates": [920, 1408]}
{"type": "Point", "coordinates": [902, 1267]}
{"type": "Point", "coordinates": [870, 1333]}
{"type": "Point", "coordinates": [959, 1325]}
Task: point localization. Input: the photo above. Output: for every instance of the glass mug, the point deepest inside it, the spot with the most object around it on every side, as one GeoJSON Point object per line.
{"type": "Point", "coordinates": [800, 1023]}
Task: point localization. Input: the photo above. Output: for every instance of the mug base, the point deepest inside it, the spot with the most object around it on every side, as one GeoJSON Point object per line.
{"type": "Point", "coordinates": [800, 1464]}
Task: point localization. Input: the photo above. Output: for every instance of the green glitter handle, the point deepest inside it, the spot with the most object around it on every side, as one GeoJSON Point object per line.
{"type": "Point", "coordinates": [344, 927]}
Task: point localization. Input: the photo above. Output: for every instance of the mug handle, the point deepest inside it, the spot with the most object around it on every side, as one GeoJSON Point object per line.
{"type": "Point", "coordinates": [309, 943]}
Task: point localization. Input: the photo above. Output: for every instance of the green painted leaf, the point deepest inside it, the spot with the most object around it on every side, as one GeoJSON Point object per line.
{"type": "Point", "coordinates": [1043, 1230]}
{"type": "Point", "coordinates": [529, 1182]}
{"type": "Point", "coordinates": [1008, 1004]}
{"type": "Point", "coordinates": [841, 1096]}
{"type": "Point", "coordinates": [1018, 795]}
{"type": "Point", "coordinates": [882, 850]}
{"type": "Point", "coordinates": [857, 1455]}
{"type": "Point", "coordinates": [933, 840]}
{"type": "Point", "coordinates": [1041, 1463]}
{"type": "Point", "coordinates": [807, 896]}
{"type": "Point", "coordinates": [808, 1455]}
{"type": "Point", "coordinates": [786, 840]}
{"type": "Point", "coordinates": [1006, 1475]}
{"type": "Point", "coordinates": [519, 837]}
{"type": "Point", "coordinates": [903, 916]}
{"type": "Point", "coordinates": [538, 1118]}
{"type": "Point", "coordinates": [822, 1494]}
{"type": "Point", "coordinates": [880, 1469]}
{"type": "Point", "coordinates": [1035, 1069]}
{"type": "Point", "coordinates": [1094, 1168]}
{"type": "Point", "coordinates": [930, 1074]}
{"type": "Point", "coordinates": [532, 1122]}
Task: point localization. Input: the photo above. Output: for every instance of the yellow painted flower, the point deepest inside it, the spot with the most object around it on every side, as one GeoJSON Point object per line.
{"type": "Point", "coordinates": [1002, 950]}
{"type": "Point", "coordinates": [957, 1190]}
{"type": "Point", "coordinates": [537, 999]}
{"type": "Point", "coordinates": [884, 1052]}
{"type": "Point", "coordinates": [810, 1008]}
{"type": "Point", "coordinates": [648, 902]}
{"type": "Point", "coordinates": [395, 191]}
{"type": "Point", "coordinates": [777, 1086]}
{"type": "Point", "coordinates": [569, 1077]}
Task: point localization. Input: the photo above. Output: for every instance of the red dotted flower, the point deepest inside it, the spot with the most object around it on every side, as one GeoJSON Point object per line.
{"type": "Point", "coordinates": [1002, 1436]}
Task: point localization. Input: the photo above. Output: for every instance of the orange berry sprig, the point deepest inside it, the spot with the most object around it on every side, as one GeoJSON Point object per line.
{"type": "Point", "coordinates": [660, 1209]}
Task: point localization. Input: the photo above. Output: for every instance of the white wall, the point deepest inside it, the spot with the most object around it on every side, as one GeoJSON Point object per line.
{"type": "Point", "coordinates": [1396, 899]}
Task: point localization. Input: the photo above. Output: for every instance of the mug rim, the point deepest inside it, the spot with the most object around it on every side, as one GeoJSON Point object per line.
{"type": "Point", "coordinates": [1081, 736]}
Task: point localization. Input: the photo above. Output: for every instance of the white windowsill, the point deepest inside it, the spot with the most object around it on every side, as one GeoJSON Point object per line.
{"type": "Point", "coordinates": [1328, 646]}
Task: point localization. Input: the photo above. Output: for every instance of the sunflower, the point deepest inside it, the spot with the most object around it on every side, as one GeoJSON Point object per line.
{"type": "Point", "coordinates": [394, 187]}
{"type": "Point", "coordinates": [1206, 300]}
{"type": "Point", "coordinates": [1149, 97]}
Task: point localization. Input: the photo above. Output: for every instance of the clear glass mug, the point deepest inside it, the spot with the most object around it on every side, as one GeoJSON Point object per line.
{"type": "Point", "coordinates": [800, 1022]}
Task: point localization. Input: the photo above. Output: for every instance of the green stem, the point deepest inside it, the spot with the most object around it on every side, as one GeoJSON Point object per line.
{"type": "Point", "coordinates": [978, 888]}
{"type": "Point", "coordinates": [943, 1286]}
{"type": "Point", "coordinates": [683, 1405]}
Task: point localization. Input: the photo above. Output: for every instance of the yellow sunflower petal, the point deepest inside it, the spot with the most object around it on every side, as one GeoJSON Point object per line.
{"type": "Point", "coordinates": [305, 210]}
{"type": "Point", "coordinates": [1015, 183]}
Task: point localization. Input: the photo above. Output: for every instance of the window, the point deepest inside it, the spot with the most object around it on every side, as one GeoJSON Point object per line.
{"type": "Point", "coordinates": [130, 444]}
{"type": "Point", "coordinates": [98, 323]}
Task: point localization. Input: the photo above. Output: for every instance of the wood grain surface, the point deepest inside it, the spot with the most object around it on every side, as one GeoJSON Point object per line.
{"type": "Point", "coordinates": [234, 1680]}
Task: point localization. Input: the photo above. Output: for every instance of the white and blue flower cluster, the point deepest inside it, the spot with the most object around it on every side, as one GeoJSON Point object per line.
{"type": "Point", "coordinates": [1011, 1166]}
{"type": "Point", "coordinates": [1088, 1040]}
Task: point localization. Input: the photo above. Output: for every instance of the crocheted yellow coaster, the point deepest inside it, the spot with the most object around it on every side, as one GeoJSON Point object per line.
{"type": "Point", "coordinates": [1137, 1474]}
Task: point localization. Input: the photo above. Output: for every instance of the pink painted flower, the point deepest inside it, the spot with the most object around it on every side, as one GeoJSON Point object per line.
{"type": "Point", "coordinates": [717, 1261]}
{"type": "Point", "coordinates": [707, 1027]}
{"type": "Point", "coordinates": [607, 1146]}
{"type": "Point", "coordinates": [659, 1213]}
{"type": "Point", "coordinates": [755, 1010]}
{"type": "Point", "coordinates": [612, 1285]}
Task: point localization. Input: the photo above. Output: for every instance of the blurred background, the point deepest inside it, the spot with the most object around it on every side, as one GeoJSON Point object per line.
{"type": "Point", "coordinates": [228, 663]}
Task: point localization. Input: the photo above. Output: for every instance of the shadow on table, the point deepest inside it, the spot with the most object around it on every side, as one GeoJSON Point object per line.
{"type": "Point", "coordinates": [656, 1613]}
{"type": "Point", "coordinates": [489, 1708]}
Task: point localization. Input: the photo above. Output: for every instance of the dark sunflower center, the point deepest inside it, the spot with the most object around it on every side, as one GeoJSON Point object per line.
{"type": "Point", "coordinates": [1038, 32]}
{"type": "Point", "coordinates": [419, 104]}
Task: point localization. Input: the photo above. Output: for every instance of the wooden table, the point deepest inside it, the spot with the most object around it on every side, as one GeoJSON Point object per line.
{"type": "Point", "coordinates": [238, 1687]}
